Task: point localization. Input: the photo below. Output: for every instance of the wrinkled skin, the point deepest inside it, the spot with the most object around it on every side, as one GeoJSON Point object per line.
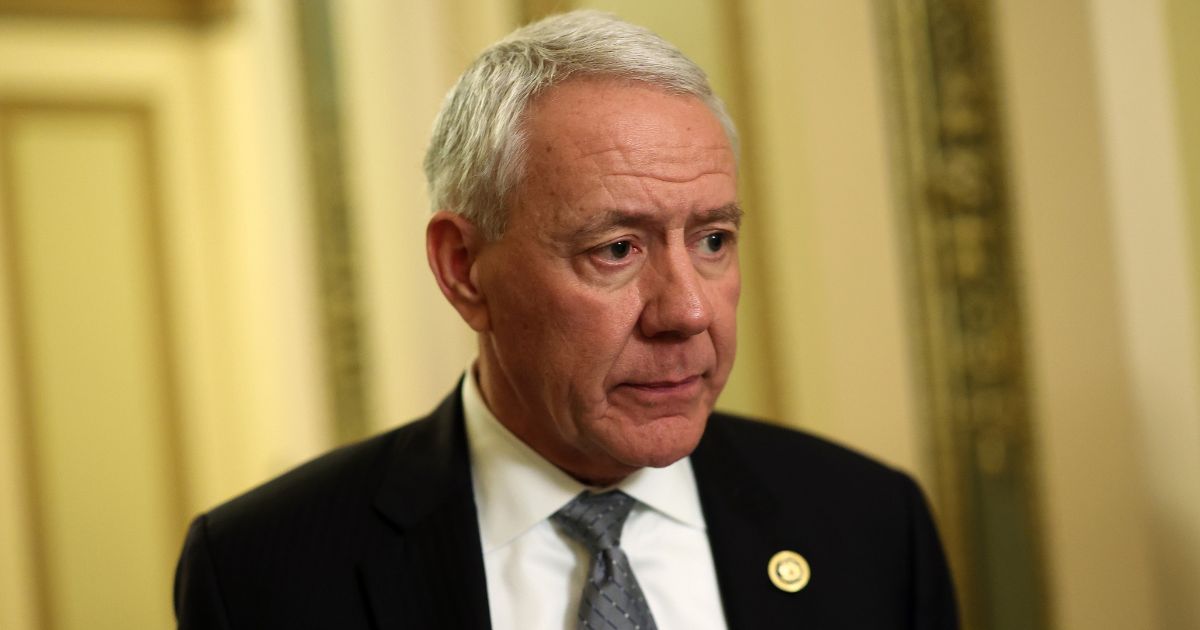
{"type": "Point", "coordinates": [611, 297]}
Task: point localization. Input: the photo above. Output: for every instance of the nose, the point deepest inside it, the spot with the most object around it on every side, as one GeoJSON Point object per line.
{"type": "Point", "coordinates": [676, 303]}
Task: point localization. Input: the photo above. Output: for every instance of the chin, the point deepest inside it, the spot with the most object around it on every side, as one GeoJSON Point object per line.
{"type": "Point", "coordinates": [664, 442]}
{"type": "Point", "coordinates": [662, 460]}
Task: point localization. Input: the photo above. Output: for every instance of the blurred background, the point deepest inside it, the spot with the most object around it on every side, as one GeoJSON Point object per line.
{"type": "Point", "coordinates": [972, 250]}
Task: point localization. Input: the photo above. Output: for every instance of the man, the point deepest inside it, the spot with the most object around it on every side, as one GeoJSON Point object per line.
{"type": "Point", "coordinates": [585, 185]}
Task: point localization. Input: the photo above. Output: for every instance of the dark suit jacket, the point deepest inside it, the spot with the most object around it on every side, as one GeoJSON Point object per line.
{"type": "Point", "coordinates": [383, 534]}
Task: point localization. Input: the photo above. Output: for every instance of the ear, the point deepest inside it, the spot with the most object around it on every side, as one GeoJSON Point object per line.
{"type": "Point", "coordinates": [452, 244]}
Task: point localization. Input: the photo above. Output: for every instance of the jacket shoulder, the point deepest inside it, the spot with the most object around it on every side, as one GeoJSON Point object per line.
{"type": "Point", "coordinates": [339, 483]}
{"type": "Point", "coordinates": [339, 476]}
{"type": "Point", "coordinates": [291, 552]}
{"type": "Point", "coordinates": [289, 549]}
{"type": "Point", "coordinates": [796, 454]}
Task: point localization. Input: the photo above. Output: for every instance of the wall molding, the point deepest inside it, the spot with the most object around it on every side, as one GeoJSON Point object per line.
{"type": "Point", "coordinates": [333, 222]}
{"type": "Point", "coordinates": [11, 109]}
{"type": "Point", "coordinates": [950, 172]}
{"type": "Point", "coordinates": [183, 11]}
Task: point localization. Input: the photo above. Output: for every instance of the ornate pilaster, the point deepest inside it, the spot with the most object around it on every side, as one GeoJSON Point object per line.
{"type": "Point", "coordinates": [950, 168]}
{"type": "Point", "coordinates": [333, 224]}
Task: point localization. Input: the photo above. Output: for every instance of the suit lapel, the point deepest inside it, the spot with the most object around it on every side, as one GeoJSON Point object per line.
{"type": "Point", "coordinates": [429, 572]}
{"type": "Point", "coordinates": [743, 531]}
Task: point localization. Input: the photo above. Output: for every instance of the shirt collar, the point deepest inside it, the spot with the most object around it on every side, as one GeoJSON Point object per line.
{"type": "Point", "coordinates": [515, 488]}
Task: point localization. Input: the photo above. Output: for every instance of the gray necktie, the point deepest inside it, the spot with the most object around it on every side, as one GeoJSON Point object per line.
{"type": "Point", "coordinates": [612, 599]}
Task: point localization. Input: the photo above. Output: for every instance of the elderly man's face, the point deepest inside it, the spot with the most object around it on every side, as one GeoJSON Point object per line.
{"type": "Point", "coordinates": [611, 297]}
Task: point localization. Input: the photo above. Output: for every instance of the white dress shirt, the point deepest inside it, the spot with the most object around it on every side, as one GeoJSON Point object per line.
{"type": "Point", "coordinates": [535, 574]}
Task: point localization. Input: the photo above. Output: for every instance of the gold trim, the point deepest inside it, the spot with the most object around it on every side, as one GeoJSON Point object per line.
{"type": "Point", "coordinates": [23, 388]}
{"type": "Point", "coordinates": [333, 221]}
{"type": "Point", "coordinates": [155, 243]}
{"type": "Point", "coordinates": [196, 12]}
{"type": "Point", "coordinates": [157, 239]}
{"type": "Point", "coordinates": [950, 165]}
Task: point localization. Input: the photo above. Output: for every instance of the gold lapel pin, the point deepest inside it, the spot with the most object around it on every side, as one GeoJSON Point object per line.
{"type": "Point", "coordinates": [789, 571]}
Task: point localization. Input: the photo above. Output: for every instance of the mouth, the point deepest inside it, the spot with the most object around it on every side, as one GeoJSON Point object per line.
{"type": "Point", "coordinates": [665, 387]}
{"type": "Point", "coordinates": [665, 394]}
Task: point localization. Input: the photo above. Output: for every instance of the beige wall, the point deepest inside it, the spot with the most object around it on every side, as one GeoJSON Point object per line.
{"type": "Point", "coordinates": [832, 263]}
{"type": "Point", "coordinates": [1092, 486]}
{"type": "Point", "coordinates": [88, 415]}
{"type": "Point", "coordinates": [231, 207]}
{"type": "Point", "coordinates": [1182, 18]}
{"type": "Point", "coordinates": [1101, 117]}
{"type": "Point", "coordinates": [417, 346]}
{"type": "Point", "coordinates": [1110, 286]}
{"type": "Point", "coordinates": [1145, 173]}
{"type": "Point", "coordinates": [98, 407]}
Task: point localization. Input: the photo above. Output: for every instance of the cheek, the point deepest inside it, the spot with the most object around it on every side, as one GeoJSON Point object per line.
{"type": "Point", "coordinates": [730, 292]}
{"type": "Point", "coordinates": [584, 337]}
{"type": "Point", "coordinates": [724, 330]}
{"type": "Point", "coordinates": [597, 325]}
{"type": "Point", "coordinates": [566, 324]}
{"type": "Point", "coordinates": [725, 289]}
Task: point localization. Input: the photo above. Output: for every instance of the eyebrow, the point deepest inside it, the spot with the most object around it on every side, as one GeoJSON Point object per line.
{"type": "Point", "coordinates": [608, 219]}
{"type": "Point", "coordinates": [730, 213]}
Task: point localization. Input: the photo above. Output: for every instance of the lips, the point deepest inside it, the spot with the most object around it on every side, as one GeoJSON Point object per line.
{"type": "Point", "coordinates": [664, 386]}
{"type": "Point", "coordinates": [660, 397]}
{"type": "Point", "coordinates": [663, 395]}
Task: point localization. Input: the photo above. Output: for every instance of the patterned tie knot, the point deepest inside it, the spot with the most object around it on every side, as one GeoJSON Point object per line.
{"type": "Point", "coordinates": [595, 520]}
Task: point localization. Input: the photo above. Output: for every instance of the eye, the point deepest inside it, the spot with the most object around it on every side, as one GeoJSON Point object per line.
{"type": "Point", "coordinates": [623, 252]}
{"type": "Point", "coordinates": [713, 243]}
{"type": "Point", "coordinates": [615, 251]}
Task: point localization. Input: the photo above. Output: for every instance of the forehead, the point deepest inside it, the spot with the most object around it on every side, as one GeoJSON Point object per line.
{"type": "Point", "coordinates": [604, 144]}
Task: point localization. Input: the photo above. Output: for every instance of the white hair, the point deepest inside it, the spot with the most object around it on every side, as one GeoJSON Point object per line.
{"type": "Point", "coordinates": [477, 153]}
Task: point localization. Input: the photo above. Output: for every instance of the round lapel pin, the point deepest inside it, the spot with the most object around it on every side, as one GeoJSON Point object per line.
{"type": "Point", "coordinates": [789, 571]}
